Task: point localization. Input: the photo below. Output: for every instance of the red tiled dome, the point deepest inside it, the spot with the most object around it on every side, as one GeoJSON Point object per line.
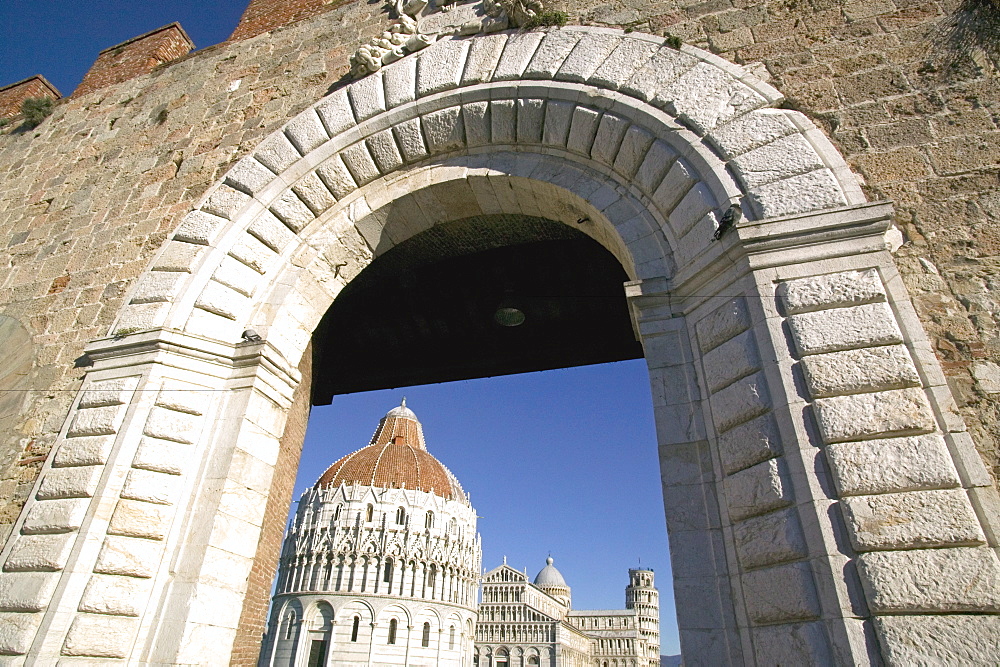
{"type": "Point", "coordinates": [396, 458]}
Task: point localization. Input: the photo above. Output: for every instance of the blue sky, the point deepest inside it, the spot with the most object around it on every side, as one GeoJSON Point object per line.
{"type": "Point", "coordinates": [561, 463]}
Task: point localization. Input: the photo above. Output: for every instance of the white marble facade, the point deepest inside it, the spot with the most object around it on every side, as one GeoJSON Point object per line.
{"type": "Point", "coordinates": [378, 574]}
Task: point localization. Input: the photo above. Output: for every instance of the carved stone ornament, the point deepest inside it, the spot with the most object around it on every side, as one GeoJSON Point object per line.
{"type": "Point", "coordinates": [420, 23]}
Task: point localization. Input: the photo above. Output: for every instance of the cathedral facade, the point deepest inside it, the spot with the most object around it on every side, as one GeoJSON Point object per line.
{"type": "Point", "coordinates": [527, 623]}
{"type": "Point", "coordinates": [381, 566]}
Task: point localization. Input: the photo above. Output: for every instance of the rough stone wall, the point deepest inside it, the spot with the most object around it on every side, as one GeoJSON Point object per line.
{"type": "Point", "coordinates": [88, 196]}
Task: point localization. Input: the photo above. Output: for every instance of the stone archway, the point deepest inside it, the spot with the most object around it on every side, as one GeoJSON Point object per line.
{"type": "Point", "coordinates": [798, 404]}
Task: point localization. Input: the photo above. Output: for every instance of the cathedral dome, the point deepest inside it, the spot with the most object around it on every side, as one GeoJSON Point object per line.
{"type": "Point", "coordinates": [397, 457]}
{"type": "Point", "coordinates": [549, 575]}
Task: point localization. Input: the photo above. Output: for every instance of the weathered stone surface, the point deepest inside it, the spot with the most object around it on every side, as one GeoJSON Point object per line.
{"type": "Point", "coordinates": [115, 595]}
{"type": "Point", "coordinates": [740, 401]}
{"type": "Point", "coordinates": [517, 53]}
{"type": "Point", "coordinates": [367, 97]}
{"type": "Point", "coordinates": [655, 165]}
{"type": "Point", "coordinates": [410, 138]}
{"type": "Point", "coordinates": [295, 213]}
{"type": "Point", "coordinates": [100, 636]}
{"type": "Point", "coordinates": [555, 47]}
{"type": "Point", "coordinates": [681, 178]}
{"type": "Point", "coordinates": [607, 141]}
{"type": "Point", "coordinates": [277, 153]}
{"type": "Point", "coordinates": [151, 486]}
{"type": "Point", "coordinates": [914, 519]}
{"type": "Point", "coordinates": [248, 176]}
{"type": "Point", "coordinates": [336, 113]}
{"type": "Point", "coordinates": [106, 393]}
{"type": "Point", "coordinates": [844, 328]}
{"type": "Point", "coordinates": [134, 518]}
{"type": "Point", "coordinates": [336, 177]}
{"type": "Point", "coordinates": [530, 120]}
{"type": "Point", "coordinates": [441, 68]}
{"type": "Point", "coordinates": [931, 580]}
{"type": "Point", "coordinates": [168, 424]}
{"type": "Point", "coordinates": [752, 130]}
{"type": "Point", "coordinates": [158, 286]}
{"type": "Point", "coordinates": [400, 82]}
{"type": "Point", "coordinates": [558, 117]}
{"type": "Point", "coordinates": [306, 132]}
{"type": "Point", "coordinates": [582, 130]}
{"type": "Point", "coordinates": [666, 66]}
{"type": "Point", "coordinates": [39, 553]}
{"type": "Point", "coordinates": [734, 359]}
{"type": "Point", "coordinates": [17, 631]}
{"type": "Point", "coordinates": [586, 56]}
{"type": "Point", "coordinates": [834, 290]}
{"type": "Point", "coordinates": [162, 456]}
{"type": "Point", "coordinates": [179, 256]}
{"type": "Point", "coordinates": [484, 55]}
{"type": "Point", "coordinates": [704, 96]}
{"type": "Point", "coordinates": [95, 421]}
{"type": "Point", "coordinates": [723, 323]}
{"type": "Point", "coordinates": [444, 130]}
{"type": "Point", "coordinates": [619, 67]}
{"type": "Point", "coordinates": [812, 191]}
{"type": "Point", "coordinates": [747, 444]}
{"type": "Point", "coordinates": [55, 516]}
{"type": "Point", "coordinates": [902, 411]}
{"type": "Point", "coordinates": [951, 639]}
{"type": "Point", "coordinates": [129, 556]}
{"type": "Point", "coordinates": [83, 451]}
{"type": "Point", "coordinates": [782, 158]}
{"type": "Point", "coordinates": [781, 593]}
{"type": "Point", "coordinates": [78, 482]}
{"type": "Point", "coordinates": [183, 397]}
{"type": "Point", "coordinates": [855, 371]}
{"type": "Point", "coordinates": [384, 151]}
{"type": "Point", "coordinates": [26, 591]}
{"type": "Point", "coordinates": [757, 490]}
{"type": "Point", "coordinates": [769, 539]}
{"type": "Point", "coordinates": [792, 644]}
{"type": "Point", "coordinates": [891, 465]}
{"type": "Point", "coordinates": [226, 202]}
{"type": "Point", "coordinates": [633, 150]}
{"type": "Point", "coordinates": [359, 163]}
{"type": "Point", "coordinates": [221, 300]}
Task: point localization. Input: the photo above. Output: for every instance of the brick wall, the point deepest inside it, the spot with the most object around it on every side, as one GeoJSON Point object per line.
{"type": "Point", "coordinates": [253, 619]}
{"type": "Point", "coordinates": [138, 55]}
{"type": "Point", "coordinates": [12, 95]}
{"type": "Point", "coordinates": [262, 16]}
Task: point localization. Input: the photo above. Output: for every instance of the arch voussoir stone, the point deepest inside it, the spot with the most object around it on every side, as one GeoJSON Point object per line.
{"type": "Point", "coordinates": [797, 402]}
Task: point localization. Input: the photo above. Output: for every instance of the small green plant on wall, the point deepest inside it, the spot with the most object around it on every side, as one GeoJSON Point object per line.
{"type": "Point", "coordinates": [36, 109]}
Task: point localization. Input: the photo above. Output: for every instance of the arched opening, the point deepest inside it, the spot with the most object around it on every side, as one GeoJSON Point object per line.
{"type": "Point", "coordinates": [736, 324]}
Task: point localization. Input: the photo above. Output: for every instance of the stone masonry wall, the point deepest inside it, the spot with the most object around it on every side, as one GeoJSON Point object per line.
{"type": "Point", "coordinates": [87, 197]}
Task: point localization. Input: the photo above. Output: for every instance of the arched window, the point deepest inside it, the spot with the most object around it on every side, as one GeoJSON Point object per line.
{"type": "Point", "coordinates": [387, 577]}
{"type": "Point", "coordinates": [429, 520]}
{"type": "Point", "coordinates": [336, 513]}
{"type": "Point", "coordinates": [401, 515]}
{"type": "Point", "coordinates": [369, 513]}
{"type": "Point", "coordinates": [451, 637]}
{"type": "Point", "coordinates": [533, 660]}
{"type": "Point", "coordinates": [453, 526]}
{"type": "Point", "coordinates": [289, 624]}
{"type": "Point", "coordinates": [355, 628]}
{"type": "Point", "coordinates": [432, 577]}
{"type": "Point", "coordinates": [392, 632]}
{"type": "Point", "coordinates": [425, 639]}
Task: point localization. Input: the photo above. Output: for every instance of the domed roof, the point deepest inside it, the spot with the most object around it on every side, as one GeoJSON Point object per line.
{"type": "Point", "coordinates": [549, 575]}
{"type": "Point", "coordinates": [396, 458]}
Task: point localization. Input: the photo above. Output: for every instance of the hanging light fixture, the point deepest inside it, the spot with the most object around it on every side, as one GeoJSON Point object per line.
{"type": "Point", "coordinates": [507, 313]}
